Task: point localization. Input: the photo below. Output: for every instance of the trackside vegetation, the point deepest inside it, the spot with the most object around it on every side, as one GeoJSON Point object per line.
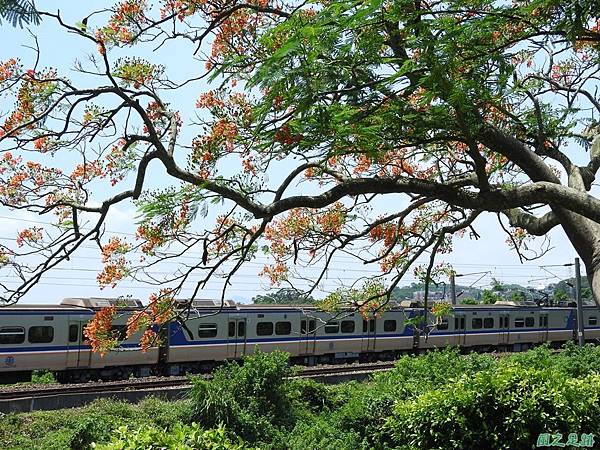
{"type": "Point", "coordinates": [440, 400]}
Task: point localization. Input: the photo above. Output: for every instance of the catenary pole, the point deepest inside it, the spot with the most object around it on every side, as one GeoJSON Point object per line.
{"type": "Point", "coordinates": [580, 324]}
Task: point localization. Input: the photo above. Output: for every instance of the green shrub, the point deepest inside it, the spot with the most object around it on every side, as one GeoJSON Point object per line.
{"type": "Point", "coordinates": [42, 377]}
{"type": "Point", "coordinates": [252, 399]}
{"type": "Point", "coordinates": [77, 428]}
{"type": "Point", "coordinates": [414, 374]}
{"type": "Point", "coordinates": [179, 436]}
{"type": "Point", "coordinates": [573, 361]}
{"type": "Point", "coordinates": [321, 434]}
{"type": "Point", "coordinates": [502, 409]}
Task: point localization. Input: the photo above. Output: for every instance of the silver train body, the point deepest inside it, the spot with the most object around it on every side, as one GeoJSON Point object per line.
{"type": "Point", "coordinates": [50, 337]}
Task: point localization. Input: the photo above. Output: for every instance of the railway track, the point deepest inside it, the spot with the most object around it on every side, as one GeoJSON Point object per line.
{"type": "Point", "coordinates": [64, 396]}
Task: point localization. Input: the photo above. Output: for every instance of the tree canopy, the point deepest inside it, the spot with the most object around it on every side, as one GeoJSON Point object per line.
{"type": "Point", "coordinates": [318, 115]}
{"type": "Point", "coordinates": [285, 296]}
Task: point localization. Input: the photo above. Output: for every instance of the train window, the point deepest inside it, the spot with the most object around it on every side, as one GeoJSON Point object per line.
{"type": "Point", "coordinates": [73, 333]}
{"type": "Point", "coordinates": [389, 325]}
{"type": "Point", "coordinates": [476, 323]}
{"type": "Point", "coordinates": [348, 326]}
{"type": "Point", "coordinates": [119, 332]}
{"type": "Point", "coordinates": [519, 323]}
{"type": "Point", "coordinates": [311, 326]}
{"type": "Point", "coordinates": [283, 328]}
{"type": "Point", "coordinates": [369, 324]}
{"type": "Point", "coordinates": [264, 328]}
{"type": "Point", "coordinates": [241, 329]}
{"type": "Point", "coordinates": [488, 322]}
{"type": "Point", "coordinates": [593, 320]}
{"type": "Point", "coordinates": [332, 327]}
{"type": "Point", "coordinates": [12, 335]}
{"type": "Point", "coordinates": [529, 322]}
{"type": "Point", "coordinates": [40, 335]}
{"type": "Point", "coordinates": [231, 330]}
{"type": "Point", "coordinates": [207, 330]}
{"type": "Point", "coordinates": [543, 321]}
{"type": "Point", "coordinates": [443, 325]}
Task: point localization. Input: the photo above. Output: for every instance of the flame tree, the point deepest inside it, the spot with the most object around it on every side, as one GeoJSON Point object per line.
{"type": "Point", "coordinates": [440, 111]}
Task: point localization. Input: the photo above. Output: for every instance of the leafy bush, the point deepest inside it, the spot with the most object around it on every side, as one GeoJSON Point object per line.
{"type": "Point", "coordinates": [438, 400]}
{"type": "Point", "coordinates": [502, 409]}
{"type": "Point", "coordinates": [252, 399]}
{"type": "Point", "coordinates": [573, 361]}
{"type": "Point", "coordinates": [77, 428]}
{"type": "Point", "coordinates": [42, 377]}
{"type": "Point", "coordinates": [413, 374]}
{"type": "Point", "coordinates": [179, 436]}
{"type": "Point", "coordinates": [318, 433]}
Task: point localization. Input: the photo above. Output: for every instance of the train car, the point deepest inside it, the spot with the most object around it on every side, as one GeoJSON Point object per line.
{"type": "Point", "coordinates": [41, 337]}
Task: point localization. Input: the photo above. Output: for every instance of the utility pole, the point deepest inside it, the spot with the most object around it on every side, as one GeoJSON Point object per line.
{"type": "Point", "coordinates": [580, 324]}
{"type": "Point", "coordinates": [453, 287]}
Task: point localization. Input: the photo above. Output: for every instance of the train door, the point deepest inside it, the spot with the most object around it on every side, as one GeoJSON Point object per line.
{"type": "Point", "coordinates": [460, 329]}
{"type": "Point", "coordinates": [369, 336]}
{"type": "Point", "coordinates": [504, 329]}
{"type": "Point", "coordinates": [543, 326]}
{"type": "Point", "coordinates": [236, 342]}
{"type": "Point", "coordinates": [74, 343]}
{"type": "Point", "coordinates": [308, 336]}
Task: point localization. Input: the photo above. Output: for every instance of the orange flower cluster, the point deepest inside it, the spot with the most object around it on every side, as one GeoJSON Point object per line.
{"type": "Point", "coordinates": [233, 28]}
{"type": "Point", "coordinates": [249, 166]}
{"type": "Point", "coordinates": [114, 246]}
{"type": "Point", "coordinates": [209, 100]}
{"type": "Point", "coordinates": [371, 309]}
{"type": "Point", "coordinates": [113, 273]}
{"type": "Point", "coordinates": [519, 237]}
{"type": "Point", "coordinates": [161, 306]}
{"type": "Point", "coordinates": [29, 235]}
{"type": "Point", "coordinates": [392, 260]}
{"type": "Point", "coordinates": [136, 72]}
{"type": "Point", "coordinates": [115, 265]}
{"type": "Point", "coordinates": [8, 69]}
{"type": "Point", "coordinates": [154, 111]}
{"type": "Point", "coordinates": [41, 144]}
{"type": "Point", "coordinates": [181, 8]}
{"type": "Point", "coordinates": [139, 319]}
{"type": "Point", "coordinates": [98, 331]}
{"type": "Point", "coordinates": [387, 232]}
{"type": "Point", "coordinates": [284, 136]}
{"type": "Point", "coordinates": [149, 338]}
{"type": "Point", "coordinates": [363, 164]}
{"type": "Point", "coordinates": [33, 91]}
{"type": "Point", "coordinates": [87, 171]}
{"type": "Point", "coordinates": [153, 235]}
{"type": "Point", "coordinates": [277, 272]}
{"type": "Point", "coordinates": [127, 17]}
{"type": "Point", "coordinates": [332, 220]}
{"type": "Point", "coordinates": [293, 226]}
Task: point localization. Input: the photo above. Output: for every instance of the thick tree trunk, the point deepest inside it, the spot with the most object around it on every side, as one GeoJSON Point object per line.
{"type": "Point", "coordinates": [584, 234]}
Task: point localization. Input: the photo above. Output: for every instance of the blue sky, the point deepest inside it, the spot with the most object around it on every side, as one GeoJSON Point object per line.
{"type": "Point", "coordinates": [77, 277]}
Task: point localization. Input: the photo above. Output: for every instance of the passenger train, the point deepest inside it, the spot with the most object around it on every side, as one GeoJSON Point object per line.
{"type": "Point", "coordinates": [51, 338]}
